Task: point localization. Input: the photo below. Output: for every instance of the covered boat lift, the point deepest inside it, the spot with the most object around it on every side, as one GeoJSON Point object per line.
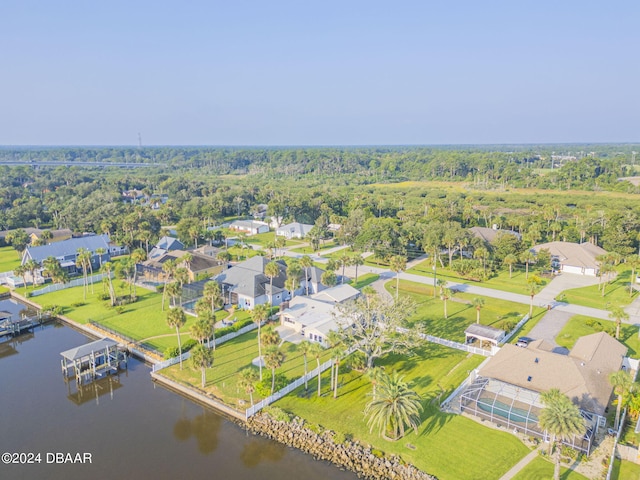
{"type": "Point", "coordinates": [93, 360]}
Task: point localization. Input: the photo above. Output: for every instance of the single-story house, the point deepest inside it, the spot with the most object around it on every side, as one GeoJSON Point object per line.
{"type": "Point", "coordinates": [250, 227]}
{"type": "Point", "coordinates": [579, 258]}
{"type": "Point", "coordinates": [66, 252]}
{"type": "Point", "coordinates": [507, 388]}
{"type": "Point", "coordinates": [294, 230]}
{"type": "Point", "coordinates": [313, 317]}
{"type": "Point", "coordinates": [246, 285]}
{"type": "Point", "coordinates": [487, 234]}
{"type": "Point", "coordinates": [35, 234]}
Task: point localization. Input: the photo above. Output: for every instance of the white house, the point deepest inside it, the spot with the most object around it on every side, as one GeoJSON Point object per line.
{"type": "Point", "coordinates": [313, 317]}
{"type": "Point", "coordinates": [579, 258]}
{"type": "Point", "coordinates": [250, 227]}
{"type": "Point", "coordinates": [294, 230]}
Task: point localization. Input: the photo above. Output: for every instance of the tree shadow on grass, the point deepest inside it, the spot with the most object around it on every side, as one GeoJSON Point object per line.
{"type": "Point", "coordinates": [434, 421]}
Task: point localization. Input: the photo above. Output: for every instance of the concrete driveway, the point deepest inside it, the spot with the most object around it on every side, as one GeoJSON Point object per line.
{"type": "Point", "coordinates": [565, 281]}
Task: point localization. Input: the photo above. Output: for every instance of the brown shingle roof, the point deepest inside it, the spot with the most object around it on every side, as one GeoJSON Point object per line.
{"type": "Point", "coordinates": [582, 375]}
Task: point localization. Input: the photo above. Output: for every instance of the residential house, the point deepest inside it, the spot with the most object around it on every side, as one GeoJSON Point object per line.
{"type": "Point", "coordinates": [66, 252]}
{"type": "Point", "coordinates": [165, 245]}
{"type": "Point", "coordinates": [294, 230]}
{"type": "Point", "coordinates": [35, 234]}
{"type": "Point", "coordinates": [200, 265]}
{"type": "Point", "coordinates": [579, 258]}
{"type": "Point", "coordinates": [250, 227]}
{"type": "Point", "coordinates": [487, 234]}
{"type": "Point", "coordinates": [313, 280]}
{"type": "Point", "coordinates": [313, 317]}
{"type": "Point", "coordinates": [507, 388]}
{"type": "Point", "coordinates": [246, 285]}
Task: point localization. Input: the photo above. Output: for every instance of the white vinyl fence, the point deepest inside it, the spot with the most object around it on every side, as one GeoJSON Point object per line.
{"type": "Point", "coordinates": [54, 287]}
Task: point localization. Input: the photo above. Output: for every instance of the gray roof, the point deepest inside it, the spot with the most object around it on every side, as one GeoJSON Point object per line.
{"type": "Point", "coordinates": [248, 278]}
{"type": "Point", "coordinates": [169, 243]}
{"type": "Point", "coordinates": [85, 350]}
{"type": "Point", "coordinates": [484, 331]}
{"type": "Point", "coordinates": [300, 228]}
{"type": "Point", "coordinates": [573, 254]}
{"type": "Point", "coordinates": [68, 247]}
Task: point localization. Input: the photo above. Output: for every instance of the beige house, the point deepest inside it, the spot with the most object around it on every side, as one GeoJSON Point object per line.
{"type": "Point", "coordinates": [578, 258]}
{"type": "Point", "coordinates": [507, 388]}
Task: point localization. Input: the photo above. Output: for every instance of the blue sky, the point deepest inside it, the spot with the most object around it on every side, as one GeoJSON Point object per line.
{"type": "Point", "coordinates": [318, 73]}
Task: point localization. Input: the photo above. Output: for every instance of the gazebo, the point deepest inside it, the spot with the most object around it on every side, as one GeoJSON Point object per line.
{"type": "Point", "coordinates": [483, 333]}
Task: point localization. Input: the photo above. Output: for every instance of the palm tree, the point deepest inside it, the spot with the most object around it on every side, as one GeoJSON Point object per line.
{"type": "Point", "coordinates": [169, 268]}
{"type": "Point", "coordinates": [562, 420]}
{"type": "Point", "coordinates": [634, 262]}
{"type": "Point", "coordinates": [306, 263]}
{"type": "Point", "coordinates": [394, 407]}
{"type": "Point", "coordinates": [316, 351]}
{"type": "Point", "coordinates": [618, 314]}
{"type": "Point", "coordinates": [478, 302]}
{"type": "Point", "coordinates": [213, 294]}
{"type": "Point", "coordinates": [305, 348]}
{"type": "Point", "coordinates": [336, 342]}
{"type": "Point", "coordinates": [100, 252]}
{"type": "Point", "coordinates": [344, 260]}
{"type": "Point", "coordinates": [260, 314]}
{"type": "Point", "coordinates": [607, 268]}
{"type": "Point", "coordinates": [174, 290]}
{"type": "Point", "coordinates": [83, 258]}
{"type": "Point", "coordinates": [271, 270]}
{"type": "Point", "coordinates": [176, 319]}
{"type": "Point", "coordinates": [398, 264]}
{"type": "Point", "coordinates": [107, 268]}
{"type": "Point", "coordinates": [533, 287]}
{"type": "Point", "coordinates": [32, 267]}
{"type": "Point", "coordinates": [376, 374]}
{"type": "Point", "coordinates": [356, 261]}
{"type": "Point", "coordinates": [202, 358]}
{"type": "Point", "coordinates": [482, 253]}
{"type": "Point", "coordinates": [622, 384]}
{"type": "Point", "coordinates": [273, 358]}
{"type": "Point", "coordinates": [445, 294]}
{"type": "Point", "coordinates": [294, 271]}
{"type": "Point", "coordinates": [527, 257]}
{"type": "Point", "coordinates": [510, 260]}
{"type": "Point", "coordinates": [138, 256]}
{"type": "Point", "coordinates": [247, 382]}
{"type": "Point", "coordinates": [329, 279]}
{"type": "Point", "coordinates": [270, 337]}
{"type": "Point", "coordinates": [21, 271]}
{"type": "Point", "coordinates": [201, 329]}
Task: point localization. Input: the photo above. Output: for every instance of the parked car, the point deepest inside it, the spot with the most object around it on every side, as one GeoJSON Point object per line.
{"type": "Point", "coordinates": [524, 342]}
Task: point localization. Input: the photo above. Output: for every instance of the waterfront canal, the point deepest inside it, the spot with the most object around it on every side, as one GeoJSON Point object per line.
{"type": "Point", "coordinates": [131, 428]}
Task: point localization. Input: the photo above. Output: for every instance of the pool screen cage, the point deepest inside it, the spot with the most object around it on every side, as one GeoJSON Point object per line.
{"type": "Point", "coordinates": [515, 408]}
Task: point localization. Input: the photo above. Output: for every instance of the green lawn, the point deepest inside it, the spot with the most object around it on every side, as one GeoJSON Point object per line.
{"type": "Point", "coordinates": [461, 314]}
{"type": "Point", "coordinates": [9, 259]}
{"type": "Point", "coordinates": [432, 371]}
{"type": "Point", "coordinates": [323, 246]}
{"type": "Point", "coordinates": [241, 254]}
{"type": "Point", "coordinates": [229, 359]}
{"type": "Point", "coordinates": [139, 320]}
{"type": "Point", "coordinates": [516, 284]}
{"type": "Point", "coordinates": [625, 470]}
{"type": "Point", "coordinates": [364, 280]}
{"type": "Point", "coordinates": [264, 239]}
{"type": "Point", "coordinates": [615, 293]}
{"type": "Point", "coordinates": [579, 326]}
{"type": "Point", "coordinates": [540, 468]}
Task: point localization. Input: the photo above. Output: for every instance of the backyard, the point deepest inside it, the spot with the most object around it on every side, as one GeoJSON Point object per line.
{"type": "Point", "coordinates": [432, 371]}
{"type": "Point", "coordinates": [233, 356]}
{"type": "Point", "coordinates": [9, 259]}
{"type": "Point", "coordinates": [540, 468]}
{"type": "Point", "coordinates": [579, 326]}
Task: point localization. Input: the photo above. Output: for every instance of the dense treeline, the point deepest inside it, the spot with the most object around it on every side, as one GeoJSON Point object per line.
{"type": "Point", "coordinates": [544, 166]}
{"type": "Point", "coordinates": [390, 218]}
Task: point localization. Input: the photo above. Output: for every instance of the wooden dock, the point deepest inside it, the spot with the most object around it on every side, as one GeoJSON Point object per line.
{"type": "Point", "coordinates": [16, 327]}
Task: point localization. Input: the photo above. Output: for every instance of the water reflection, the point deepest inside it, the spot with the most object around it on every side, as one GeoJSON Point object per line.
{"type": "Point", "coordinates": [92, 391]}
{"type": "Point", "coordinates": [204, 427]}
{"type": "Point", "coordinates": [255, 451]}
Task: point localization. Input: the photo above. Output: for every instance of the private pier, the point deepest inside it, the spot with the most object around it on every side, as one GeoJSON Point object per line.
{"type": "Point", "coordinates": [93, 360]}
{"type": "Point", "coordinates": [13, 327]}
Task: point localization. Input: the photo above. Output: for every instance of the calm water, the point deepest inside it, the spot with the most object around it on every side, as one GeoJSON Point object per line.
{"type": "Point", "coordinates": [132, 428]}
